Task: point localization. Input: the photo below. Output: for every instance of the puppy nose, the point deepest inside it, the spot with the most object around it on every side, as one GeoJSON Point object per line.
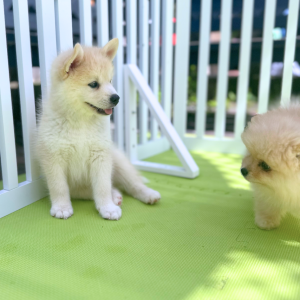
{"type": "Point", "coordinates": [114, 99]}
{"type": "Point", "coordinates": [244, 172]}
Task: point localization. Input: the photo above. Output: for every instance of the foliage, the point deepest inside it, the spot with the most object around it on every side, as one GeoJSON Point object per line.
{"type": "Point", "coordinates": [212, 103]}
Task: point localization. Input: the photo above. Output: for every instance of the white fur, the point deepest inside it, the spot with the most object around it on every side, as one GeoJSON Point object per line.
{"type": "Point", "coordinates": [73, 141]}
{"type": "Point", "coordinates": [274, 138]}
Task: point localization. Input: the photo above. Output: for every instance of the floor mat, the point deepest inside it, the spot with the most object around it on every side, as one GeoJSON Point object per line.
{"type": "Point", "coordinates": [199, 242]}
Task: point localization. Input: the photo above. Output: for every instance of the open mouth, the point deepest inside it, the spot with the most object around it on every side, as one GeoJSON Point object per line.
{"type": "Point", "coordinates": [101, 111]}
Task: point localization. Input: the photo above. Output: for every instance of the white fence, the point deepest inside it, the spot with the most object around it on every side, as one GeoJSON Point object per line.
{"type": "Point", "coordinates": [54, 24]}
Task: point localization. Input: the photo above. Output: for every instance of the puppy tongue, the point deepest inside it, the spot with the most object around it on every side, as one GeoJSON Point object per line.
{"type": "Point", "coordinates": [108, 111]}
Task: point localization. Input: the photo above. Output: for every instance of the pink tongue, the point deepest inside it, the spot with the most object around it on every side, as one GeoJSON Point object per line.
{"type": "Point", "coordinates": [108, 111]}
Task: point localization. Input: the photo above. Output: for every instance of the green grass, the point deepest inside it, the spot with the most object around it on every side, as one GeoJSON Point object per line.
{"type": "Point", "coordinates": [199, 242]}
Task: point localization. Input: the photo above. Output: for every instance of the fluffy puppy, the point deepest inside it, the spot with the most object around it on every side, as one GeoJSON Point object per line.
{"type": "Point", "coordinates": [272, 164]}
{"type": "Point", "coordinates": [73, 142]}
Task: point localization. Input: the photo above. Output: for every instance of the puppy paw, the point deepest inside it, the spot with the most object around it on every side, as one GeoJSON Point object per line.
{"type": "Point", "coordinates": [117, 197]}
{"type": "Point", "coordinates": [61, 212]}
{"type": "Point", "coordinates": [110, 212]}
{"type": "Point", "coordinates": [148, 196]}
{"type": "Point", "coordinates": [267, 223]}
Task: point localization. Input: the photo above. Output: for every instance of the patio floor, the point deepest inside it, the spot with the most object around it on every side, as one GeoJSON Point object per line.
{"type": "Point", "coordinates": [199, 242]}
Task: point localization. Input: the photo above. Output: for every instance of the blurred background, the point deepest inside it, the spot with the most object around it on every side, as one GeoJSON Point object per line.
{"type": "Point", "coordinates": [279, 34]}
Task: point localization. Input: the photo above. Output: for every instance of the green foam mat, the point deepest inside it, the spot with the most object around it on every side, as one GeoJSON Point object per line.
{"type": "Point", "coordinates": [199, 242]}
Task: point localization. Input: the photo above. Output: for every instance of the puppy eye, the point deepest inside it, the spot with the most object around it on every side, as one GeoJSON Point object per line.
{"type": "Point", "coordinates": [94, 85]}
{"type": "Point", "coordinates": [264, 166]}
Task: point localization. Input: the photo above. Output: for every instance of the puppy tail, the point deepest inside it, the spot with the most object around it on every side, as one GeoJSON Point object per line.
{"type": "Point", "coordinates": [125, 176]}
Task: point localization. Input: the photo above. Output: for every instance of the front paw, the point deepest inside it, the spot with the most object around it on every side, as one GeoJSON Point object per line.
{"type": "Point", "coordinates": [61, 212]}
{"type": "Point", "coordinates": [267, 223]}
{"type": "Point", "coordinates": [148, 196]}
{"type": "Point", "coordinates": [110, 212]}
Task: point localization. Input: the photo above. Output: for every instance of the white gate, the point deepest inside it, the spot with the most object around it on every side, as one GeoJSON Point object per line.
{"type": "Point", "coordinates": [54, 24]}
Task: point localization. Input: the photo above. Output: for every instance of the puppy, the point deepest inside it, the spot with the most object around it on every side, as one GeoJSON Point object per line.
{"type": "Point", "coordinates": [73, 142]}
{"type": "Point", "coordinates": [272, 164]}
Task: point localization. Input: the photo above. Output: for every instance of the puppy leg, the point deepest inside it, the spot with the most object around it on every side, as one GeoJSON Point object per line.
{"type": "Point", "coordinates": [59, 191]}
{"type": "Point", "coordinates": [127, 178]}
{"type": "Point", "coordinates": [117, 197]}
{"type": "Point", "coordinates": [267, 215]}
{"type": "Point", "coordinates": [101, 170]}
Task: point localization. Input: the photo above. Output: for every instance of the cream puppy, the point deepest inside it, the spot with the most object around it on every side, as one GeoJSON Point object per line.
{"type": "Point", "coordinates": [73, 142]}
{"type": "Point", "coordinates": [272, 164]}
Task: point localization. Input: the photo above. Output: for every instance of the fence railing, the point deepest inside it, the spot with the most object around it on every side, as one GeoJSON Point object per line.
{"type": "Point", "coordinates": [172, 84]}
{"type": "Point", "coordinates": [146, 31]}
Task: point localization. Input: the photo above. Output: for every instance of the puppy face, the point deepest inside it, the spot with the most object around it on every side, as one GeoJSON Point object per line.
{"type": "Point", "coordinates": [255, 169]}
{"type": "Point", "coordinates": [82, 80]}
{"type": "Point", "coordinates": [273, 144]}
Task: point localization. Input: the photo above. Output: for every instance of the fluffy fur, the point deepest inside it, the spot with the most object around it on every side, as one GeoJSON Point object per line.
{"type": "Point", "coordinates": [73, 141]}
{"type": "Point", "coordinates": [273, 164]}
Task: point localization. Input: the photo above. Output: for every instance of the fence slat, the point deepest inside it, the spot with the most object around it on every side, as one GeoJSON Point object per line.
{"type": "Point", "coordinates": [45, 18]}
{"type": "Point", "coordinates": [167, 56]}
{"type": "Point", "coordinates": [102, 22]}
{"type": "Point", "coordinates": [22, 37]}
{"type": "Point", "coordinates": [289, 51]}
{"type": "Point", "coordinates": [244, 68]}
{"type": "Point", "coordinates": [131, 31]}
{"type": "Point", "coordinates": [117, 30]}
{"type": "Point", "coordinates": [154, 58]}
{"type": "Point", "coordinates": [222, 84]}
{"type": "Point", "coordinates": [85, 20]}
{"type": "Point", "coordinates": [130, 117]}
{"type": "Point", "coordinates": [203, 62]}
{"type": "Point", "coordinates": [7, 135]}
{"type": "Point", "coordinates": [63, 20]}
{"type": "Point", "coordinates": [131, 38]}
{"type": "Point", "coordinates": [143, 64]}
{"type": "Point", "coordinates": [266, 56]}
{"type": "Point", "coordinates": [183, 12]}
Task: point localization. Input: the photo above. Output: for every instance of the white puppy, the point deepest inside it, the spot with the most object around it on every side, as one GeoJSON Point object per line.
{"type": "Point", "coordinates": [73, 141]}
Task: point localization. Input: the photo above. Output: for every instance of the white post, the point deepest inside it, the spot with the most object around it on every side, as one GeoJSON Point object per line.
{"type": "Point", "coordinates": [85, 20]}
{"type": "Point", "coordinates": [7, 135]}
{"type": "Point", "coordinates": [154, 58]}
{"type": "Point", "coordinates": [183, 13]}
{"type": "Point", "coordinates": [131, 31]}
{"type": "Point", "coordinates": [45, 18]}
{"type": "Point", "coordinates": [117, 29]}
{"type": "Point", "coordinates": [224, 53]}
{"type": "Point", "coordinates": [63, 18]}
{"type": "Point", "coordinates": [102, 21]}
{"type": "Point", "coordinates": [289, 51]}
{"type": "Point", "coordinates": [203, 62]}
{"type": "Point", "coordinates": [266, 56]}
{"type": "Point", "coordinates": [26, 86]}
{"type": "Point", "coordinates": [130, 118]}
{"type": "Point", "coordinates": [244, 67]}
{"type": "Point", "coordinates": [131, 36]}
{"type": "Point", "coordinates": [143, 64]}
{"type": "Point", "coordinates": [167, 56]}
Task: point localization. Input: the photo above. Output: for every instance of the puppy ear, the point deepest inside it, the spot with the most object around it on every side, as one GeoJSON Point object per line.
{"type": "Point", "coordinates": [110, 49]}
{"type": "Point", "coordinates": [74, 60]}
